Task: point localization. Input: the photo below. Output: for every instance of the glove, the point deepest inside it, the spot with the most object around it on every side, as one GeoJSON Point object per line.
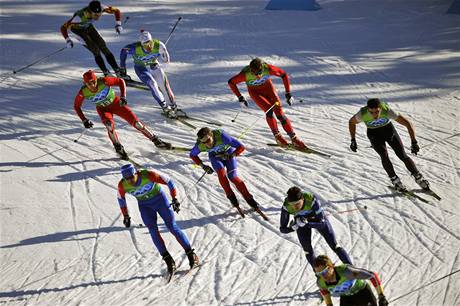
{"type": "Point", "coordinates": [207, 169]}
{"type": "Point", "coordinates": [87, 123]}
{"type": "Point", "coordinates": [289, 98]}
{"type": "Point", "coordinates": [69, 43]}
{"type": "Point", "coordinates": [225, 155]}
{"type": "Point", "coordinates": [382, 300]}
{"type": "Point", "coordinates": [243, 100]}
{"type": "Point", "coordinates": [118, 27]}
{"type": "Point", "coordinates": [123, 101]}
{"type": "Point", "coordinates": [127, 221]}
{"type": "Point", "coordinates": [353, 145]}
{"type": "Point", "coordinates": [414, 148]}
{"type": "Point", "coordinates": [175, 205]}
{"type": "Point", "coordinates": [298, 222]}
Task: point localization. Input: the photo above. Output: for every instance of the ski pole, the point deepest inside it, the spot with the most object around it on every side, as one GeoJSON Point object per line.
{"type": "Point", "coordinates": [174, 27]}
{"type": "Point", "coordinates": [39, 60]}
{"type": "Point", "coordinates": [417, 289]}
{"type": "Point", "coordinates": [81, 134]}
{"type": "Point", "coordinates": [255, 122]}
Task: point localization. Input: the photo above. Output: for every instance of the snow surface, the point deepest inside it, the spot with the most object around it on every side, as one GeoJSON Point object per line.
{"type": "Point", "coordinates": [62, 237]}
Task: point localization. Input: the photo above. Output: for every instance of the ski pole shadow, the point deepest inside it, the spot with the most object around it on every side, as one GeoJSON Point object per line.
{"type": "Point", "coordinates": [374, 197]}
{"type": "Point", "coordinates": [281, 299]}
{"type": "Point", "coordinates": [64, 236]}
{"type": "Point", "coordinates": [22, 293]}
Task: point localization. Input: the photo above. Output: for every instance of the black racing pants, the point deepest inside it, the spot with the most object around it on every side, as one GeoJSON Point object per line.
{"type": "Point", "coordinates": [363, 297]}
{"type": "Point", "coordinates": [388, 133]}
{"type": "Point", "coordinates": [96, 44]}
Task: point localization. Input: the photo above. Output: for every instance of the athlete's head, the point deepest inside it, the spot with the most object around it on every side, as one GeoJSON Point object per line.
{"type": "Point", "coordinates": [295, 198]}
{"type": "Point", "coordinates": [204, 136]}
{"type": "Point", "coordinates": [90, 80]}
{"type": "Point", "coordinates": [95, 7]}
{"type": "Point", "coordinates": [323, 267]}
{"type": "Point", "coordinates": [146, 40]}
{"type": "Point", "coordinates": [373, 107]}
{"type": "Point", "coordinates": [128, 172]}
{"type": "Point", "coordinates": [256, 66]}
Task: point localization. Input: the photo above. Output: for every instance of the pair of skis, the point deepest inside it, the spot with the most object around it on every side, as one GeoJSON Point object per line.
{"type": "Point", "coordinates": [257, 210]}
{"type": "Point", "coordinates": [412, 194]}
{"type": "Point", "coordinates": [182, 118]}
{"type": "Point", "coordinates": [307, 150]}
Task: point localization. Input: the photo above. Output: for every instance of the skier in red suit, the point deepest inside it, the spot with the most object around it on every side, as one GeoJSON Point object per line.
{"type": "Point", "coordinates": [261, 89]}
{"type": "Point", "coordinates": [99, 91]}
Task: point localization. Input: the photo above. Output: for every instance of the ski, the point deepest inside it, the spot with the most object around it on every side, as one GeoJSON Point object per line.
{"type": "Point", "coordinates": [200, 120]}
{"type": "Point", "coordinates": [429, 192]}
{"type": "Point", "coordinates": [240, 211]}
{"type": "Point", "coordinates": [136, 84]}
{"type": "Point", "coordinates": [409, 194]}
{"type": "Point", "coordinates": [261, 213]}
{"type": "Point", "coordinates": [290, 146]}
{"type": "Point", "coordinates": [180, 119]}
{"type": "Point", "coordinates": [169, 276]}
{"type": "Point", "coordinates": [194, 268]}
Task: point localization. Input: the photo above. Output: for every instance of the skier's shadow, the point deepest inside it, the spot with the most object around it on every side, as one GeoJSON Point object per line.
{"type": "Point", "coordinates": [20, 293]}
{"type": "Point", "coordinates": [283, 299]}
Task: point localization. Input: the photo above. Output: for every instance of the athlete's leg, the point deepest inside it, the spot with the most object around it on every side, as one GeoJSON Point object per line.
{"type": "Point", "coordinates": [149, 217]}
{"type": "Point", "coordinates": [163, 83]}
{"type": "Point", "coordinates": [328, 233]}
{"type": "Point", "coordinates": [107, 119]}
{"type": "Point", "coordinates": [285, 122]}
{"type": "Point", "coordinates": [378, 144]}
{"type": "Point", "coordinates": [232, 174]}
{"type": "Point", "coordinates": [264, 104]}
{"type": "Point", "coordinates": [128, 115]}
{"type": "Point", "coordinates": [146, 77]}
{"type": "Point", "coordinates": [304, 235]}
{"type": "Point", "coordinates": [167, 214]}
{"type": "Point", "coordinates": [92, 47]}
{"type": "Point", "coordinates": [398, 147]}
{"type": "Point", "coordinates": [99, 41]}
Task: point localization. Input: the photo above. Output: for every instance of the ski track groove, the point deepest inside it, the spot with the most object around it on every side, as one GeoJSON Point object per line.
{"type": "Point", "coordinates": [447, 287]}
{"type": "Point", "coordinates": [385, 240]}
{"type": "Point", "coordinates": [93, 258]}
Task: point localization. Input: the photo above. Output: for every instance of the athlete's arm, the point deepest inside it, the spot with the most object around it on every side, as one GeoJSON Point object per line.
{"type": "Point", "coordinates": [78, 102]}
{"type": "Point", "coordinates": [352, 126]}
{"type": "Point", "coordinates": [164, 180]}
{"type": "Point", "coordinates": [352, 272]}
{"type": "Point", "coordinates": [276, 71]}
{"type": "Point", "coordinates": [239, 78]}
{"type": "Point", "coordinates": [402, 120]}
{"type": "Point", "coordinates": [128, 49]}
{"type": "Point", "coordinates": [112, 81]}
{"type": "Point", "coordinates": [122, 200]}
{"type": "Point", "coordinates": [164, 54]}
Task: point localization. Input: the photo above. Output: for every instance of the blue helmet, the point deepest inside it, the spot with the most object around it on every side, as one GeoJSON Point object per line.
{"type": "Point", "coordinates": [128, 170]}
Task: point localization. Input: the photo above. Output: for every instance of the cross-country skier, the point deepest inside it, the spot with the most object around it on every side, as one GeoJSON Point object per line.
{"type": "Point", "coordinates": [99, 91]}
{"type": "Point", "coordinates": [81, 24]}
{"type": "Point", "coordinates": [308, 214]}
{"type": "Point", "coordinates": [222, 152]}
{"type": "Point", "coordinates": [261, 89]}
{"type": "Point", "coordinates": [377, 115]}
{"type": "Point", "coordinates": [146, 53]}
{"type": "Point", "coordinates": [348, 282]}
{"type": "Point", "coordinates": [144, 185]}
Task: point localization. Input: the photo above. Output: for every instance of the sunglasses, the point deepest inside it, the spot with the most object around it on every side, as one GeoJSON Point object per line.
{"type": "Point", "coordinates": [323, 272]}
{"type": "Point", "coordinates": [295, 203]}
{"type": "Point", "coordinates": [259, 72]}
{"type": "Point", "coordinates": [205, 139]}
{"type": "Point", "coordinates": [147, 44]}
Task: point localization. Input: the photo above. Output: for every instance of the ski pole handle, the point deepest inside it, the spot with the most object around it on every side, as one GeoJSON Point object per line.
{"type": "Point", "coordinates": [174, 27]}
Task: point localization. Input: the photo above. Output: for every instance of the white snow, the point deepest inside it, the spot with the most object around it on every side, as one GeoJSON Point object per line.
{"type": "Point", "coordinates": [62, 237]}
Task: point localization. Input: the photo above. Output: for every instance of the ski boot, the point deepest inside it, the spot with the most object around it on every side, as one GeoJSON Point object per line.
{"type": "Point", "coordinates": [280, 140]}
{"type": "Point", "coordinates": [121, 151]}
{"type": "Point", "coordinates": [235, 204]}
{"type": "Point", "coordinates": [107, 73]}
{"type": "Point", "coordinates": [193, 259]}
{"type": "Point", "coordinates": [121, 73]}
{"type": "Point", "coordinates": [171, 265]}
{"type": "Point", "coordinates": [421, 181]}
{"type": "Point", "coordinates": [397, 184]}
{"type": "Point", "coordinates": [298, 143]}
{"type": "Point", "coordinates": [179, 112]}
{"type": "Point", "coordinates": [169, 112]}
{"type": "Point", "coordinates": [160, 143]}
